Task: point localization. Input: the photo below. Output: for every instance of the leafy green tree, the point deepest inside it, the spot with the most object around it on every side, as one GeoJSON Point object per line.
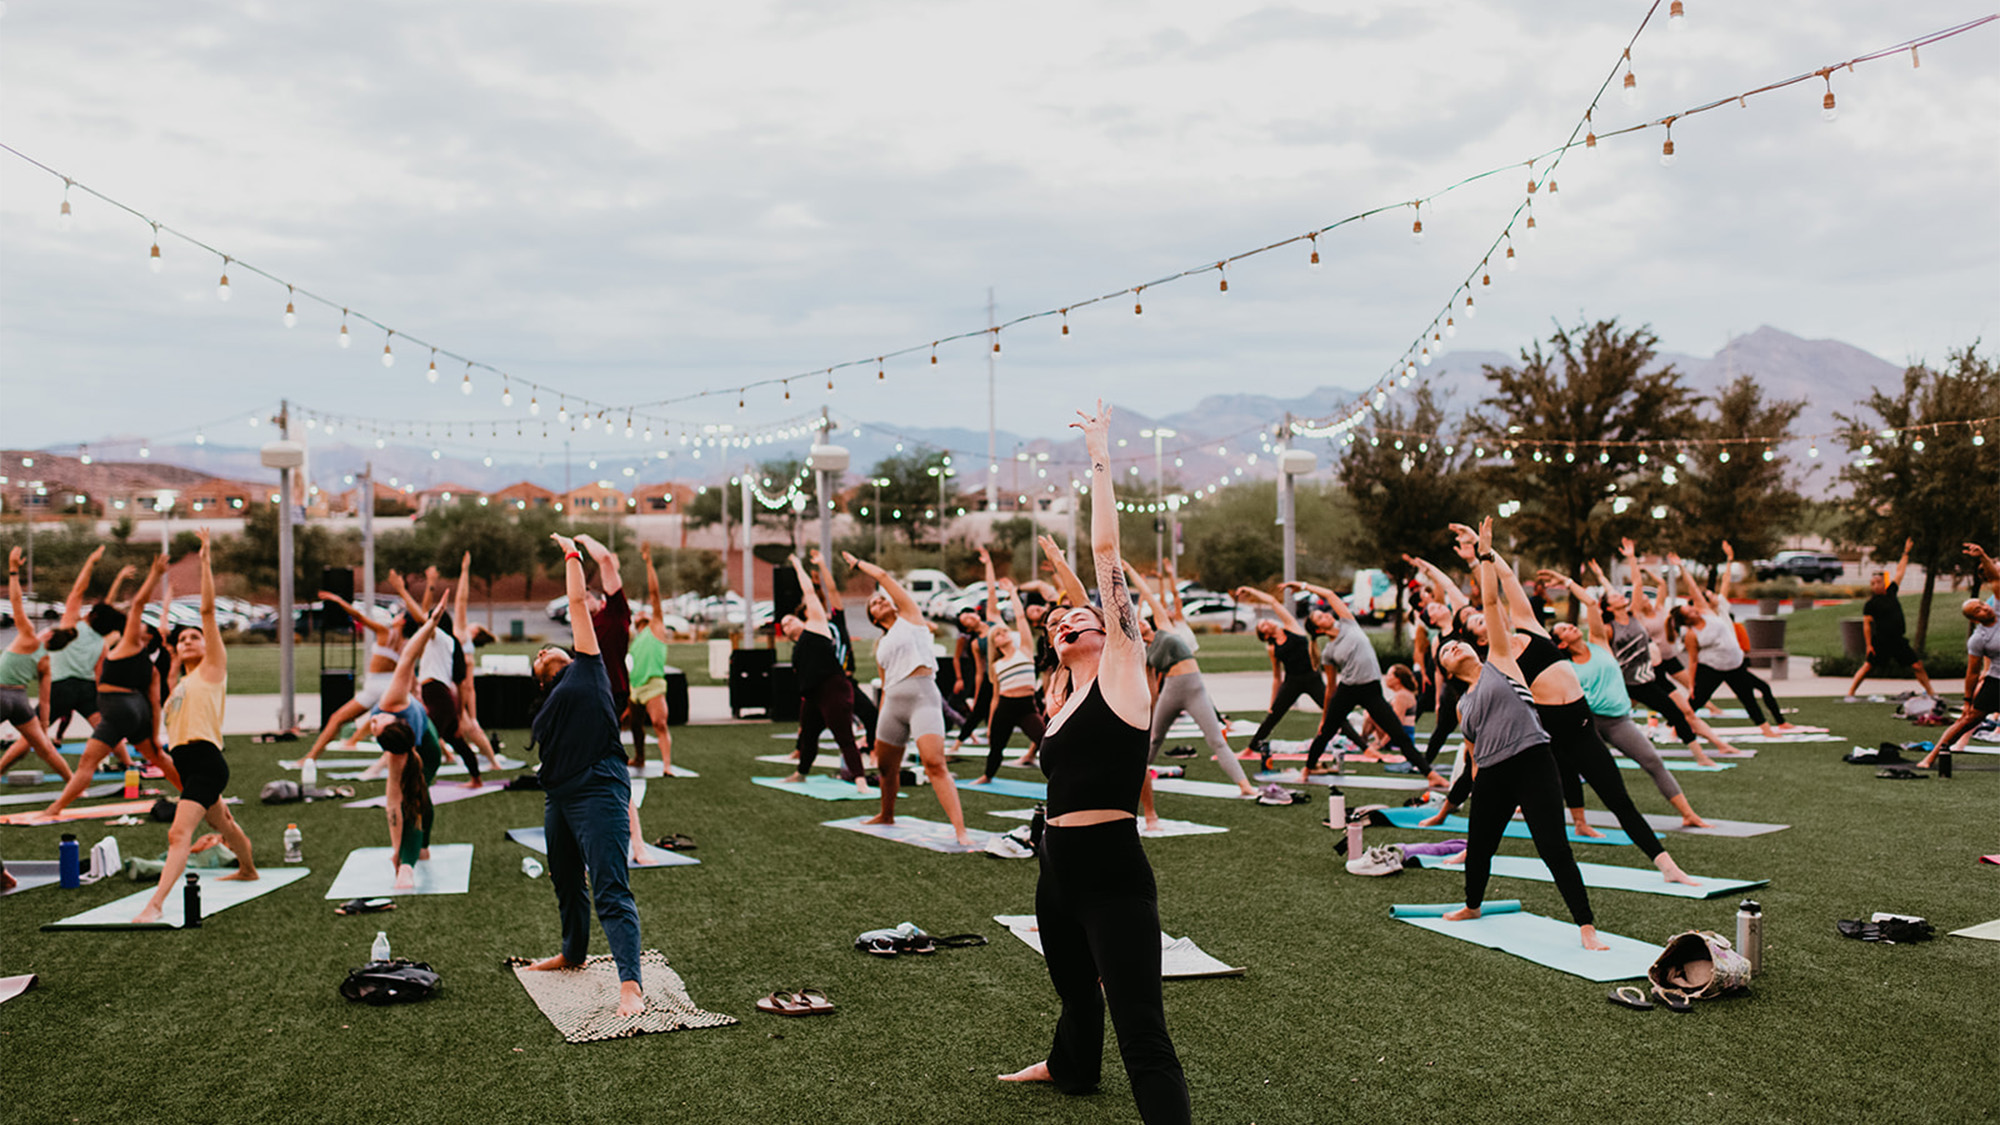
{"type": "Point", "coordinates": [908, 500]}
{"type": "Point", "coordinates": [717, 503]}
{"type": "Point", "coordinates": [1232, 540]}
{"type": "Point", "coordinates": [1536, 434]}
{"type": "Point", "coordinates": [1935, 484]}
{"type": "Point", "coordinates": [253, 555]}
{"type": "Point", "coordinates": [1745, 493]}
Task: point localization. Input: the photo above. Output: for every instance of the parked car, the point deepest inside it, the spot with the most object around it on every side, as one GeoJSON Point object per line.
{"type": "Point", "coordinates": [1210, 610]}
{"type": "Point", "coordinates": [1373, 596]}
{"type": "Point", "coordinates": [1806, 566]}
{"type": "Point", "coordinates": [924, 585]}
{"type": "Point", "coordinates": [677, 625]}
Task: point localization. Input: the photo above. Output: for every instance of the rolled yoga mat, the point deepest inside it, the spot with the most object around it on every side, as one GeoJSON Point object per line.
{"type": "Point", "coordinates": [217, 895]}
{"type": "Point", "coordinates": [1506, 927]}
{"type": "Point", "coordinates": [1605, 876]}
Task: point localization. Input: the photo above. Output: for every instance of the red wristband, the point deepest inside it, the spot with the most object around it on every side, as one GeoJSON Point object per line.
{"type": "Point", "coordinates": [574, 555]}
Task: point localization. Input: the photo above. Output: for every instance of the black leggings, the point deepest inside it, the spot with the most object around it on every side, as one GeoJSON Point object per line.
{"type": "Point", "coordinates": [864, 708]}
{"type": "Point", "coordinates": [1581, 756]}
{"type": "Point", "coordinates": [1009, 712]}
{"type": "Point", "coordinates": [1290, 691]}
{"type": "Point", "coordinates": [1447, 721]}
{"type": "Point", "coordinates": [829, 707]}
{"type": "Point", "coordinates": [1741, 680]}
{"type": "Point", "coordinates": [1526, 781]}
{"type": "Point", "coordinates": [441, 704]}
{"type": "Point", "coordinates": [1655, 693]}
{"type": "Point", "coordinates": [982, 702]}
{"type": "Point", "coordinates": [1099, 917]}
{"type": "Point", "coordinates": [1368, 697]}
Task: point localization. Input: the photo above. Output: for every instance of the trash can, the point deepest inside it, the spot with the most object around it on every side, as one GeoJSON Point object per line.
{"type": "Point", "coordinates": [1853, 641]}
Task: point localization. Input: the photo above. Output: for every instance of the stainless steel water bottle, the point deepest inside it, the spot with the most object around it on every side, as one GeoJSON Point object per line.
{"type": "Point", "coordinates": [1750, 933]}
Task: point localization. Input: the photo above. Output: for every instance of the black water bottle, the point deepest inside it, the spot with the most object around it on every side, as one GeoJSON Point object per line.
{"type": "Point", "coordinates": [191, 902]}
{"type": "Point", "coordinates": [1036, 823]}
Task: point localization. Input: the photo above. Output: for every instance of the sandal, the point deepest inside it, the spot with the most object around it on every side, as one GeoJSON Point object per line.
{"type": "Point", "coordinates": [882, 946]}
{"type": "Point", "coordinates": [1675, 1001]}
{"type": "Point", "coordinates": [1630, 996]}
{"type": "Point", "coordinates": [675, 842]}
{"type": "Point", "coordinates": [784, 1004]}
{"type": "Point", "coordinates": [958, 941]}
{"type": "Point", "coordinates": [814, 1000]}
{"type": "Point", "coordinates": [365, 906]}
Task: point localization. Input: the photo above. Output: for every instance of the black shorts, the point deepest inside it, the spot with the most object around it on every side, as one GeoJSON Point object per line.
{"type": "Point", "coordinates": [1895, 651]}
{"type": "Point", "coordinates": [1987, 699]}
{"type": "Point", "coordinates": [76, 695]}
{"type": "Point", "coordinates": [1671, 666]}
{"type": "Point", "coordinates": [204, 772]}
{"type": "Point", "coordinates": [123, 716]}
{"type": "Point", "coordinates": [16, 706]}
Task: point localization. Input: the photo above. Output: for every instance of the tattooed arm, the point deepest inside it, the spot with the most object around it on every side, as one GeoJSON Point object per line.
{"type": "Point", "coordinates": [1121, 673]}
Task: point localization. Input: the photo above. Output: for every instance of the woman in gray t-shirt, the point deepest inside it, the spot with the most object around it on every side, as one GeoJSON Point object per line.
{"type": "Point", "coordinates": [1510, 756]}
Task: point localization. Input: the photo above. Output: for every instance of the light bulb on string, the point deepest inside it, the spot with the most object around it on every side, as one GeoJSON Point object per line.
{"type": "Point", "coordinates": [1667, 149]}
{"type": "Point", "coordinates": [1064, 334]}
{"type": "Point", "coordinates": [881, 372]}
{"type": "Point", "coordinates": [1918, 445]}
{"type": "Point", "coordinates": [1471, 310]}
{"type": "Point", "coordinates": [1313, 262]}
{"type": "Point", "coordinates": [1826, 108]}
{"type": "Point", "coordinates": [1138, 306]}
{"type": "Point", "coordinates": [1723, 457]}
{"type": "Point", "coordinates": [1417, 227]}
{"type": "Point", "coordinates": [1485, 278]}
{"type": "Point", "coordinates": [346, 338]}
{"type": "Point", "coordinates": [1915, 62]}
{"type": "Point", "coordinates": [222, 287]}
{"type": "Point", "coordinates": [153, 257]}
{"type": "Point", "coordinates": [1512, 263]}
{"type": "Point", "coordinates": [1437, 342]}
{"type": "Point", "coordinates": [1604, 456]}
{"type": "Point", "coordinates": [1677, 17]}
{"type": "Point", "coordinates": [562, 412]}
{"type": "Point", "coordinates": [1532, 231]}
{"type": "Point", "coordinates": [63, 216]}
{"type": "Point", "coordinates": [291, 313]}
{"type": "Point", "coordinates": [1223, 269]}
{"type": "Point", "coordinates": [1423, 357]}
{"type": "Point", "coordinates": [628, 427]}
{"type": "Point", "coordinates": [1590, 130]}
{"type": "Point", "coordinates": [1979, 437]}
{"type": "Point", "coordinates": [388, 353]}
{"type": "Point", "coordinates": [506, 394]}
{"type": "Point", "coordinates": [432, 374]}
{"type": "Point", "coordinates": [1450, 327]}
{"type": "Point", "coordinates": [1813, 450]}
{"type": "Point", "coordinates": [534, 405]}
{"type": "Point", "coordinates": [1770, 455]}
{"type": "Point", "coordinates": [1630, 92]}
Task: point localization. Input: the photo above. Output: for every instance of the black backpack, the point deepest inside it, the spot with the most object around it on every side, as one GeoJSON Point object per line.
{"type": "Point", "coordinates": [391, 982]}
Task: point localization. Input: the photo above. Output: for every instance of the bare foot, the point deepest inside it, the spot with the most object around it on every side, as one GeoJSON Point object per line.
{"type": "Point", "coordinates": [406, 878]}
{"type": "Point", "coordinates": [964, 840]}
{"type": "Point", "coordinates": [1582, 828]}
{"type": "Point", "coordinates": [1456, 859]}
{"type": "Point", "coordinates": [1462, 914]}
{"type": "Point", "coordinates": [1768, 730]}
{"type": "Point", "coordinates": [1246, 790]}
{"type": "Point", "coordinates": [1589, 935]}
{"type": "Point", "coordinates": [1024, 761]}
{"type": "Point", "coordinates": [475, 783]}
{"type": "Point", "coordinates": [1703, 760]}
{"type": "Point", "coordinates": [7, 881]}
{"type": "Point", "coordinates": [1036, 1073]}
{"type": "Point", "coordinates": [881, 818]}
{"type": "Point", "coordinates": [1693, 821]}
{"type": "Point", "coordinates": [631, 1001]}
{"type": "Point", "coordinates": [548, 964]}
{"type": "Point", "coordinates": [980, 781]}
{"type": "Point", "coordinates": [147, 916]}
{"type": "Point", "coordinates": [1672, 871]}
{"type": "Point", "coordinates": [1434, 820]}
{"type": "Point", "coordinates": [1152, 824]}
{"type": "Point", "coordinates": [1436, 780]}
{"type": "Point", "coordinates": [795, 779]}
{"type": "Point", "coordinates": [240, 875]}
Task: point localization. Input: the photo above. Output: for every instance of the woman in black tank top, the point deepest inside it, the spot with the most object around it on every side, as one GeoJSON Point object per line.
{"type": "Point", "coordinates": [1294, 676]}
{"type": "Point", "coordinates": [1095, 903]}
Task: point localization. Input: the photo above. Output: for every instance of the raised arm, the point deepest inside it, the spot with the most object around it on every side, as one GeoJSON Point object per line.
{"type": "Point", "coordinates": [1593, 621]}
{"type": "Point", "coordinates": [583, 634]}
{"type": "Point", "coordinates": [73, 605]}
{"type": "Point", "coordinates": [1170, 582]}
{"type": "Point", "coordinates": [458, 618]}
{"type": "Point", "coordinates": [1903, 564]}
{"type": "Point", "coordinates": [215, 660]}
{"type": "Point", "coordinates": [1337, 603]}
{"type": "Point", "coordinates": [1499, 618]}
{"type": "Point", "coordinates": [1453, 596]}
{"type": "Point", "coordinates": [403, 681]}
{"type": "Point", "coordinates": [1520, 611]}
{"type": "Point", "coordinates": [659, 622]}
{"type": "Point", "coordinates": [1121, 672]}
{"type": "Point", "coordinates": [906, 606]}
{"type": "Point", "coordinates": [1067, 582]}
{"type": "Point", "coordinates": [992, 603]}
{"type": "Point", "coordinates": [815, 612]}
{"type": "Point", "coordinates": [1285, 618]}
{"type": "Point", "coordinates": [118, 583]}
{"type": "Point", "coordinates": [1696, 596]}
{"type": "Point", "coordinates": [829, 590]}
{"type": "Point", "coordinates": [1989, 571]}
{"type": "Point", "coordinates": [128, 642]}
{"type": "Point", "coordinates": [24, 629]}
{"type": "Point", "coordinates": [380, 630]}
{"type": "Point", "coordinates": [1729, 574]}
{"type": "Point", "coordinates": [607, 565]}
{"type": "Point", "coordinates": [394, 584]}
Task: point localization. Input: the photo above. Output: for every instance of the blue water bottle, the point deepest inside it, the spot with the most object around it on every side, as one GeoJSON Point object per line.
{"type": "Point", "coordinates": [70, 862]}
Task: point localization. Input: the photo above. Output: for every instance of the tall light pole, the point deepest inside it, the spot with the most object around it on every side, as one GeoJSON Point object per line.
{"type": "Point", "coordinates": [878, 482]}
{"type": "Point", "coordinates": [828, 461]}
{"type": "Point", "coordinates": [992, 430]}
{"type": "Point", "coordinates": [941, 472]}
{"type": "Point", "coordinates": [368, 535]}
{"type": "Point", "coordinates": [1292, 463]}
{"type": "Point", "coordinates": [286, 456]}
{"type": "Point", "coordinates": [1159, 435]}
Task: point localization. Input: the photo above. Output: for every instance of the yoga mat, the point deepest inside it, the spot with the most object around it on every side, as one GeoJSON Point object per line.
{"type": "Point", "coordinates": [1180, 958]}
{"type": "Point", "coordinates": [90, 794]}
{"type": "Point", "coordinates": [817, 785]}
{"type": "Point", "coordinates": [1755, 739]}
{"type": "Point", "coordinates": [367, 874]}
{"type": "Point", "coordinates": [535, 839]}
{"type": "Point", "coordinates": [1681, 752]}
{"type": "Point", "coordinates": [1984, 931]}
{"type": "Point", "coordinates": [1516, 829]}
{"type": "Point", "coordinates": [1167, 827]}
{"type": "Point", "coordinates": [1544, 941]}
{"type": "Point", "coordinates": [11, 987]}
{"type": "Point", "coordinates": [88, 812]}
{"type": "Point", "coordinates": [582, 1003]}
{"type": "Point", "coordinates": [1345, 780]}
{"type": "Point", "coordinates": [927, 834]}
{"type": "Point", "coordinates": [1731, 733]}
{"type": "Point", "coordinates": [1009, 787]}
{"type": "Point", "coordinates": [1676, 765]}
{"type": "Point", "coordinates": [1604, 876]}
{"type": "Point", "coordinates": [654, 769]}
{"type": "Point", "coordinates": [217, 895]}
{"type": "Point", "coordinates": [332, 761]}
{"type": "Point", "coordinates": [31, 873]}
{"type": "Point", "coordinates": [1185, 727]}
{"type": "Point", "coordinates": [442, 793]}
{"type": "Point", "coordinates": [1191, 788]}
{"type": "Point", "coordinates": [449, 769]}
{"type": "Point", "coordinates": [1667, 822]}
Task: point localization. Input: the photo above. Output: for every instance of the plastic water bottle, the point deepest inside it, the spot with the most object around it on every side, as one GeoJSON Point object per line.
{"type": "Point", "coordinates": [191, 902]}
{"type": "Point", "coordinates": [531, 867]}
{"type": "Point", "coordinates": [380, 950]}
{"type": "Point", "coordinates": [69, 861]}
{"type": "Point", "coordinates": [1750, 933]}
{"type": "Point", "coordinates": [1354, 843]}
{"type": "Point", "coordinates": [308, 775]}
{"type": "Point", "coordinates": [131, 784]}
{"type": "Point", "coordinates": [1336, 811]}
{"type": "Point", "coordinates": [292, 839]}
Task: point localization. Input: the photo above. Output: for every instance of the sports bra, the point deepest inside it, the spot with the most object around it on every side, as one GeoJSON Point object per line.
{"type": "Point", "coordinates": [1015, 672]}
{"type": "Point", "coordinates": [133, 673]}
{"type": "Point", "coordinates": [1295, 654]}
{"type": "Point", "coordinates": [1540, 655]}
{"type": "Point", "coordinates": [1095, 760]}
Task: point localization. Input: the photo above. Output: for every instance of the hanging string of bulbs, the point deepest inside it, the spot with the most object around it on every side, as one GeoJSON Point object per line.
{"type": "Point", "coordinates": [1678, 450]}
{"type": "Point", "coordinates": [699, 435]}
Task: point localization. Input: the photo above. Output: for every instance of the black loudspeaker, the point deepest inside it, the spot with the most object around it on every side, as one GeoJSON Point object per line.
{"type": "Point", "coordinates": [785, 595]}
{"type": "Point", "coordinates": [784, 702]}
{"type": "Point", "coordinates": [337, 580]}
{"type": "Point", "coordinates": [750, 680]}
{"type": "Point", "coordinates": [335, 690]}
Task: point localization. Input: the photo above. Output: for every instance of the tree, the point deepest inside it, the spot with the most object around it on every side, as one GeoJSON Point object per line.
{"type": "Point", "coordinates": [254, 554]}
{"type": "Point", "coordinates": [1409, 479]}
{"type": "Point", "coordinates": [1232, 539]}
{"type": "Point", "coordinates": [496, 542]}
{"type": "Point", "coordinates": [1744, 493]}
{"type": "Point", "coordinates": [1544, 422]}
{"type": "Point", "coordinates": [908, 498]}
{"type": "Point", "coordinates": [1934, 484]}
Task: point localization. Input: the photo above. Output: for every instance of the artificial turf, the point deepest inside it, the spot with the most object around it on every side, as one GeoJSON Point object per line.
{"type": "Point", "coordinates": [1343, 1014]}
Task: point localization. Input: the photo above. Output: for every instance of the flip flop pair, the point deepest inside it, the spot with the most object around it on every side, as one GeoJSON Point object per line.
{"type": "Point", "coordinates": [1633, 997]}
{"type": "Point", "coordinates": [804, 1002]}
{"type": "Point", "coordinates": [675, 842]}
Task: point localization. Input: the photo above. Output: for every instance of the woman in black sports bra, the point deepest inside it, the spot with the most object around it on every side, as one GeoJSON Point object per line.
{"type": "Point", "coordinates": [1096, 905]}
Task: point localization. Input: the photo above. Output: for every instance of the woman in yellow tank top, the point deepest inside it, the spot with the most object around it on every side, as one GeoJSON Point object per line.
{"type": "Point", "coordinates": [194, 738]}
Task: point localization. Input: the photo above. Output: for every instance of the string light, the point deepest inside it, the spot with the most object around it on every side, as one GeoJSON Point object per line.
{"type": "Point", "coordinates": [291, 313]}
{"type": "Point", "coordinates": [1417, 227]}
{"type": "Point", "coordinates": [1630, 93]}
{"type": "Point", "coordinates": [506, 394]}
{"type": "Point", "coordinates": [1138, 309]}
{"type": "Point", "coordinates": [1667, 148]}
{"type": "Point", "coordinates": [1826, 107]}
{"type": "Point", "coordinates": [153, 259]}
{"type": "Point", "coordinates": [346, 339]}
{"type": "Point", "coordinates": [388, 353]}
{"type": "Point", "coordinates": [221, 287]}
{"type": "Point", "coordinates": [1222, 268]}
{"type": "Point", "coordinates": [1312, 262]}
{"type": "Point", "coordinates": [1676, 17]}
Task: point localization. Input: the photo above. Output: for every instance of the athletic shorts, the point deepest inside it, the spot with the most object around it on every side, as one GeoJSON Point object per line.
{"type": "Point", "coordinates": [16, 707]}
{"type": "Point", "coordinates": [1895, 651]}
{"type": "Point", "coordinates": [1987, 699]}
{"type": "Point", "coordinates": [646, 691]}
{"type": "Point", "coordinates": [373, 687]}
{"type": "Point", "coordinates": [204, 772]}
{"type": "Point", "coordinates": [911, 708]}
{"type": "Point", "coordinates": [123, 716]}
{"type": "Point", "coordinates": [1671, 666]}
{"type": "Point", "coordinates": [76, 695]}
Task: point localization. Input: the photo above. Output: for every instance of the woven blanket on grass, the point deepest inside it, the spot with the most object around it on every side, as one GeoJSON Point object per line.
{"type": "Point", "coordinates": [583, 1002]}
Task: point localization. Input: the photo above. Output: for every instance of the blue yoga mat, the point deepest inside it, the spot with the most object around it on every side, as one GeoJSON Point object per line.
{"type": "Point", "coordinates": [1009, 787]}
{"type": "Point", "coordinates": [1545, 941]}
{"type": "Point", "coordinates": [1605, 876]}
{"type": "Point", "coordinates": [815, 785]}
{"type": "Point", "coordinates": [1458, 825]}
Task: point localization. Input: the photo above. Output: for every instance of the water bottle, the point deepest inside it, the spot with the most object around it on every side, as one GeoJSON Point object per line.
{"type": "Point", "coordinates": [380, 950]}
{"type": "Point", "coordinates": [69, 861]}
{"type": "Point", "coordinates": [308, 776]}
{"type": "Point", "coordinates": [531, 867]}
{"type": "Point", "coordinates": [1354, 844]}
{"type": "Point", "coordinates": [1750, 933]}
{"type": "Point", "coordinates": [292, 839]}
{"type": "Point", "coordinates": [1944, 764]}
{"type": "Point", "coordinates": [1336, 811]}
{"type": "Point", "coordinates": [191, 902]}
{"type": "Point", "coordinates": [131, 784]}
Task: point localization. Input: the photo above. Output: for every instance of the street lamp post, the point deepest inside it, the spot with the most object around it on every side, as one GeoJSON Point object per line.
{"type": "Point", "coordinates": [1159, 435]}
{"type": "Point", "coordinates": [878, 482]}
{"type": "Point", "coordinates": [941, 472]}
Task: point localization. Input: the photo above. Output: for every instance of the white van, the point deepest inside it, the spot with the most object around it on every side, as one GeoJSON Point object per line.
{"type": "Point", "coordinates": [925, 585]}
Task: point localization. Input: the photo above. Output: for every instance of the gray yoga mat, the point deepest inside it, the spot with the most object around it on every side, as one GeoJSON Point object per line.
{"type": "Point", "coordinates": [926, 834]}
{"type": "Point", "coordinates": [367, 874]}
{"type": "Point", "coordinates": [217, 895]}
{"type": "Point", "coordinates": [1665, 822]}
{"type": "Point", "coordinates": [92, 793]}
{"type": "Point", "coordinates": [536, 839]}
{"type": "Point", "coordinates": [31, 873]}
{"type": "Point", "coordinates": [1605, 876]}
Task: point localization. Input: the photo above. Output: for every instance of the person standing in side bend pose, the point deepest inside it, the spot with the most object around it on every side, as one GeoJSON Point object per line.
{"type": "Point", "coordinates": [1012, 671]}
{"type": "Point", "coordinates": [649, 673]}
{"type": "Point", "coordinates": [912, 706]}
{"type": "Point", "coordinates": [1096, 905]}
{"type": "Point", "coordinates": [412, 753]}
{"type": "Point", "coordinates": [383, 648]}
{"type": "Point", "coordinates": [1512, 765]}
{"type": "Point", "coordinates": [1716, 653]}
{"type": "Point", "coordinates": [589, 794]}
{"type": "Point", "coordinates": [1621, 627]}
{"type": "Point", "coordinates": [24, 675]}
{"type": "Point", "coordinates": [1180, 690]}
{"type": "Point", "coordinates": [843, 642]}
{"type": "Point", "coordinates": [826, 697]}
{"type": "Point", "coordinates": [1358, 683]}
{"type": "Point", "coordinates": [469, 638]}
{"type": "Point", "coordinates": [1293, 674]}
{"type": "Point", "coordinates": [1982, 651]}
{"type": "Point", "coordinates": [73, 650]}
{"type": "Point", "coordinates": [194, 734]}
{"type": "Point", "coordinates": [1883, 630]}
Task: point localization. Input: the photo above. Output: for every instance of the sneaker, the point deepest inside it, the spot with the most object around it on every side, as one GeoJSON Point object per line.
{"type": "Point", "coordinates": [1274, 794]}
{"type": "Point", "coordinates": [1006, 847]}
{"type": "Point", "coordinates": [1384, 859]}
{"type": "Point", "coordinates": [1850, 699]}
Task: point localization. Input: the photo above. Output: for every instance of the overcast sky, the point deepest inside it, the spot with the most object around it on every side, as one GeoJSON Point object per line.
{"type": "Point", "coordinates": [636, 201]}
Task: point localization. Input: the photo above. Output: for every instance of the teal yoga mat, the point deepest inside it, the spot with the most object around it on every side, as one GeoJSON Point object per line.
{"type": "Point", "coordinates": [1531, 937]}
{"type": "Point", "coordinates": [1458, 825]}
{"type": "Point", "coordinates": [216, 896]}
{"type": "Point", "coordinates": [1009, 787]}
{"type": "Point", "coordinates": [1678, 766]}
{"type": "Point", "coordinates": [816, 785]}
{"type": "Point", "coordinates": [1605, 876]}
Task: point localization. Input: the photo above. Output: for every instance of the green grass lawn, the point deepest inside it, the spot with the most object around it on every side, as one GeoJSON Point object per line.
{"type": "Point", "coordinates": [1343, 1015]}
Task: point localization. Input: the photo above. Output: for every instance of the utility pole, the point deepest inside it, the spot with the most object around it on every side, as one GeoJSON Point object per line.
{"type": "Point", "coordinates": [749, 566]}
{"type": "Point", "coordinates": [1285, 507]}
{"type": "Point", "coordinates": [1159, 436]}
{"type": "Point", "coordinates": [992, 423]}
{"type": "Point", "coordinates": [287, 457]}
{"type": "Point", "coordinates": [368, 536]}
